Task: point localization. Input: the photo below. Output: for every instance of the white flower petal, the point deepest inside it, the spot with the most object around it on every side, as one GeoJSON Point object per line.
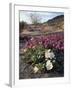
{"type": "Point", "coordinates": [36, 69]}
{"type": "Point", "coordinates": [49, 54]}
{"type": "Point", "coordinates": [53, 61]}
{"type": "Point", "coordinates": [49, 65]}
{"type": "Point", "coordinates": [25, 49]}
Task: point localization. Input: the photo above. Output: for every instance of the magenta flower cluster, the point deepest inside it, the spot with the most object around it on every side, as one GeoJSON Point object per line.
{"type": "Point", "coordinates": [55, 40]}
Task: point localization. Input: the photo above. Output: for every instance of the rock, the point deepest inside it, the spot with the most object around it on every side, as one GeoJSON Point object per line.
{"type": "Point", "coordinates": [25, 70]}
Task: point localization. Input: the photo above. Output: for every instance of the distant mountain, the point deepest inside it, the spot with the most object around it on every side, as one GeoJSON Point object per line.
{"type": "Point", "coordinates": [57, 22]}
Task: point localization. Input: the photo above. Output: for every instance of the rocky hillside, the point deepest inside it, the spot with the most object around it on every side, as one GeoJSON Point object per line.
{"type": "Point", "coordinates": [54, 25]}
{"type": "Point", "coordinates": [57, 22]}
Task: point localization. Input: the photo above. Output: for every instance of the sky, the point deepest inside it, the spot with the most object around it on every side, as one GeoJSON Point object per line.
{"type": "Point", "coordinates": [44, 16]}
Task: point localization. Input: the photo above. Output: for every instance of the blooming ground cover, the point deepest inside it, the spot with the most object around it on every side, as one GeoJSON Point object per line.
{"type": "Point", "coordinates": [45, 53]}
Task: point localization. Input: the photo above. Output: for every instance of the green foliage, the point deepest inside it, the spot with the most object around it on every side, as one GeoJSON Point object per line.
{"type": "Point", "coordinates": [41, 66]}
{"type": "Point", "coordinates": [34, 55]}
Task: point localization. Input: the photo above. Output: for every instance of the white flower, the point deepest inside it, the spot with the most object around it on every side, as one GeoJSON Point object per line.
{"type": "Point", "coordinates": [32, 38]}
{"type": "Point", "coordinates": [49, 65]}
{"type": "Point", "coordinates": [25, 49]}
{"type": "Point", "coordinates": [49, 54]}
{"type": "Point", "coordinates": [53, 61]}
{"type": "Point", "coordinates": [35, 69]}
{"type": "Point", "coordinates": [46, 59]}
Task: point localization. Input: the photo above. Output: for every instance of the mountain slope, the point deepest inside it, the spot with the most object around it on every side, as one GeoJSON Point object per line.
{"type": "Point", "coordinates": [57, 22]}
